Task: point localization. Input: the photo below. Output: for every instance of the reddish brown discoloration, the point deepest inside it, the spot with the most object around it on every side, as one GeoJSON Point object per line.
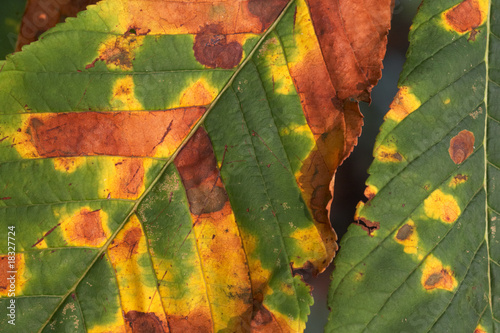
{"type": "Point", "coordinates": [86, 228]}
{"type": "Point", "coordinates": [212, 49]}
{"type": "Point", "coordinates": [404, 232]}
{"type": "Point", "coordinates": [129, 245]}
{"type": "Point", "coordinates": [461, 146]}
{"type": "Point", "coordinates": [186, 17]}
{"type": "Point", "coordinates": [4, 267]}
{"type": "Point", "coordinates": [131, 173]}
{"type": "Point", "coordinates": [141, 322]}
{"type": "Point", "coordinates": [368, 225]}
{"type": "Point", "coordinates": [110, 133]}
{"type": "Point", "coordinates": [41, 15]}
{"type": "Point", "coordinates": [266, 10]}
{"type": "Point", "coordinates": [461, 178]}
{"type": "Point", "coordinates": [465, 17]}
{"type": "Point", "coordinates": [196, 321]}
{"type": "Point", "coordinates": [199, 173]}
{"type": "Point", "coordinates": [353, 38]}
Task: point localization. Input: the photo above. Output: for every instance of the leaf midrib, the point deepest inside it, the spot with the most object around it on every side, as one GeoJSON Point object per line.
{"type": "Point", "coordinates": [486, 162]}
{"type": "Point", "coordinates": [168, 162]}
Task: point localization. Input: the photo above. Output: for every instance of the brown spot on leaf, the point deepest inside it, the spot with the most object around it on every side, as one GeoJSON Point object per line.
{"type": "Point", "coordinates": [199, 173]}
{"type": "Point", "coordinates": [368, 225]}
{"type": "Point", "coordinates": [119, 51]}
{"type": "Point", "coordinates": [206, 199]}
{"type": "Point", "coordinates": [212, 49]}
{"type": "Point", "coordinates": [262, 318]}
{"type": "Point", "coordinates": [129, 245]}
{"type": "Point", "coordinates": [441, 280]}
{"type": "Point", "coordinates": [461, 146]}
{"type": "Point", "coordinates": [465, 16]}
{"type": "Point", "coordinates": [111, 133]}
{"type": "Point", "coordinates": [141, 322]}
{"type": "Point", "coordinates": [404, 232]}
{"type": "Point", "coordinates": [196, 321]}
{"type": "Point", "coordinates": [266, 10]}
{"type": "Point", "coordinates": [131, 180]}
{"type": "Point", "coordinates": [85, 228]}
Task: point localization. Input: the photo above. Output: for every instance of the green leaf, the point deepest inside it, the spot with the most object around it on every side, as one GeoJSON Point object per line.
{"type": "Point", "coordinates": [425, 255]}
{"type": "Point", "coordinates": [166, 166]}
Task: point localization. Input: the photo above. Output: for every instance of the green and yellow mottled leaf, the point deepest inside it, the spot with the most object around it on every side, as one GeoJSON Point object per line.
{"type": "Point", "coordinates": [424, 256]}
{"type": "Point", "coordinates": [166, 166]}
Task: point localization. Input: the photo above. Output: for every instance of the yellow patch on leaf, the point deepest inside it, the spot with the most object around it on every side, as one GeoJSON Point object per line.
{"type": "Point", "coordinates": [129, 256]}
{"type": "Point", "coordinates": [466, 16]}
{"type": "Point", "coordinates": [442, 206]}
{"type": "Point", "coordinates": [21, 139]}
{"type": "Point", "coordinates": [123, 178]}
{"type": "Point", "coordinates": [305, 36]}
{"type": "Point", "coordinates": [12, 265]}
{"type": "Point", "coordinates": [388, 154]}
{"type": "Point", "coordinates": [123, 97]}
{"type": "Point", "coordinates": [479, 329]}
{"type": "Point", "coordinates": [304, 130]}
{"type": "Point", "coordinates": [68, 164]}
{"type": "Point", "coordinates": [311, 246]}
{"type": "Point", "coordinates": [274, 58]}
{"type": "Point", "coordinates": [198, 93]}
{"type": "Point", "coordinates": [408, 237]}
{"type": "Point", "coordinates": [436, 276]}
{"type": "Point", "coordinates": [404, 103]}
{"type": "Point", "coordinates": [84, 227]}
{"type": "Point", "coordinates": [177, 306]}
{"type": "Point", "coordinates": [224, 265]}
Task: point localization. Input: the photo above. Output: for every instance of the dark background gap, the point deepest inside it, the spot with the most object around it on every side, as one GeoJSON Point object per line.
{"type": "Point", "coordinates": [352, 174]}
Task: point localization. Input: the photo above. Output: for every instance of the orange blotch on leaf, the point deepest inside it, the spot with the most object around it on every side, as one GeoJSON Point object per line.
{"type": "Point", "coordinates": [408, 237]}
{"type": "Point", "coordinates": [442, 206]}
{"type": "Point", "coordinates": [461, 146]}
{"type": "Point", "coordinates": [125, 179]}
{"type": "Point", "coordinates": [155, 133]}
{"type": "Point", "coordinates": [198, 94]}
{"type": "Point", "coordinates": [436, 276]}
{"type": "Point", "coordinates": [9, 264]}
{"type": "Point", "coordinates": [86, 228]}
{"type": "Point", "coordinates": [125, 248]}
{"type": "Point", "coordinates": [370, 192]}
{"type": "Point", "coordinates": [403, 104]}
{"type": "Point", "coordinates": [466, 16]}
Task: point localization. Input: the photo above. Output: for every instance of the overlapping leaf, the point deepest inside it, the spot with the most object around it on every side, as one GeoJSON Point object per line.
{"type": "Point", "coordinates": [431, 262]}
{"type": "Point", "coordinates": [166, 165]}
